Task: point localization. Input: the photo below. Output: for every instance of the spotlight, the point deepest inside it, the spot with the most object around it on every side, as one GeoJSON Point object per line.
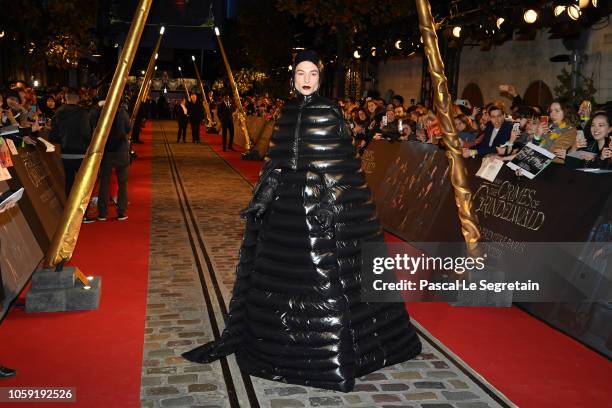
{"type": "Point", "coordinates": [594, 2]}
{"type": "Point", "coordinates": [574, 12]}
{"type": "Point", "coordinates": [2, 32]}
{"type": "Point", "coordinates": [217, 33]}
{"type": "Point", "coordinates": [116, 45]}
{"type": "Point", "coordinates": [36, 83]}
{"type": "Point", "coordinates": [142, 72]}
{"type": "Point", "coordinates": [398, 44]}
{"type": "Point", "coordinates": [356, 54]}
{"type": "Point", "coordinates": [499, 22]}
{"type": "Point", "coordinates": [373, 51]}
{"type": "Point", "coordinates": [583, 3]}
{"type": "Point", "coordinates": [530, 16]}
{"type": "Point", "coordinates": [156, 55]}
{"type": "Point", "coordinates": [290, 68]}
{"type": "Point", "coordinates": [457, 31]}
{"type": "Point", "coordinates": [558, 10]}
{"type": "Point", "coordinates": [156, 67]}
{"type": "Point", "coordinates": [162, 30]}
{"type": "Point", "coordinates": [180, 69]}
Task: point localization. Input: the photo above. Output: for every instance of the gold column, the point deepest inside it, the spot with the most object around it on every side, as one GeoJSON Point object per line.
{"type": "Point", "coordinates": [67, 232]}
{"type": "Point", "coordinates": [204, 98]}
{"type": "Point", "coordinates": [184, 84]}
{"type": "Point", "coordinates": [239, 110]}
{"type": "Point", "coordinates": [458, 172]}
{"type": "Point", "coordinates": [142, 93]}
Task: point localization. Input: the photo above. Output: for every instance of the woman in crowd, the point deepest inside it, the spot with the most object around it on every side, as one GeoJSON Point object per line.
{"type": "Point", "coordinates": [49, 108]}
{"type": "Point", "coordinates": [465, 129]}
{"type": "Point", "coordinates": [296, 315]}
{"type": "Point", "coordinates": [561, 134]}
{"type": "Point", "coordinates": [596, 145]}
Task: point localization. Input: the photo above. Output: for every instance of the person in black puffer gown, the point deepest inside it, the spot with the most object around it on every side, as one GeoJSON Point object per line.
{"type": "Point", "coordinates": [295, 315]}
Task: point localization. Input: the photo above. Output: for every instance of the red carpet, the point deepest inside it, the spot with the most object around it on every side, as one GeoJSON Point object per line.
{"type": "Point", "coordinates": [534, 365]}
{"type": "Point", "coordinates": [98, 352]}
{"type": "Point", "coordinates": [248, 169]}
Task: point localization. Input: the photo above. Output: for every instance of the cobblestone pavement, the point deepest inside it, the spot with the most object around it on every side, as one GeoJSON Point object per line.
{"type": "Point", "coordinates": [178, 319]}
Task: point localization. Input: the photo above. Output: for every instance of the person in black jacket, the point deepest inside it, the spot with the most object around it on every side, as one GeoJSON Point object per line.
{"type": "Point", "coordinates": [196, 114]}
{"type": "Point", "coordinates": [117, 156]}
{"type": "Point", "coordinates": [72, 130]}
{"type": "Point", "coordinates": [497, 133]}
{"type": "Point", "coordinates": [296, 314]}
{"type": "Point", "coordinates": [225, 112]}
{"type": "Point", "coordinates": [180, 112]}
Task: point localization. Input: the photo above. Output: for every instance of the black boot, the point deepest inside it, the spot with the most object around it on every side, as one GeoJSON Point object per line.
{"type": "Point", "coordinates": [209, 352]}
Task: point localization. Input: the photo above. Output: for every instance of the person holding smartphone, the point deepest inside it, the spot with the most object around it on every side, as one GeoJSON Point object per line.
{"type": "Point", "coordinates": [560, 135]}
{"type": "Point", "coordinates": [596, 145]}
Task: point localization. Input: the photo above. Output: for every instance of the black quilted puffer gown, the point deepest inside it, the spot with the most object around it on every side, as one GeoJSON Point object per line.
{"type": "Point", "coordinates": [295, 313]}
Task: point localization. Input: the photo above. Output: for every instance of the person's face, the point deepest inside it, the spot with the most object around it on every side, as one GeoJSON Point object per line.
{"type": "Point", "coordinates": [371, 106]}
{"type": "Point", "coordinates": [399, 111]}
{"type": "Point", "coordinates": [459, 125]}
{"type": "Point", "coordinates": [390, 116]}
{"type": "Point", "coordinates": [600, 127]}
{"type": "Point", "coordinates": [556, 113]}
{"type": "Point", "coordinates": [395, 102]}
{"type": "Point", "coordinates": [532, 125]}
{"type": "Point", "coordinates": [12, 102]}
{"type": "Point", "coordinates": [51, 103]}
{"type": "Point", "coordinates": [193, 98]}
{"type": "Point", "coordinates": [362, 115]}
{"type": "Point", "coordinates": [306, 78]}
{"type": "Point", "coordinates": [497, 118]}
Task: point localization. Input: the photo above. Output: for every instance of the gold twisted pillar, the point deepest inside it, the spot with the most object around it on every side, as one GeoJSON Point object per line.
{"type": "Point", "coordinates": [239, 109]}
{"type": "Point", "coordinates": [204, 98]}
{"type": "Point", "coordinates": [67, 232]}
{"type": "Point", "coordinates": [144, 87]}
{"type": "Point", "coordinates": [442, 102]}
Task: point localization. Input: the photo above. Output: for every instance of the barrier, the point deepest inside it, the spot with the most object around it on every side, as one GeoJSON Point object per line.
{"type": "Point", "coordinates": [27, 228]}
{"type": "Point", "coordinates": [415, 201]}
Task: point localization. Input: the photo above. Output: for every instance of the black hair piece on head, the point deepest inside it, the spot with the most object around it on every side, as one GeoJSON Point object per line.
{"type": "Point", "coordinates": [307, 55]}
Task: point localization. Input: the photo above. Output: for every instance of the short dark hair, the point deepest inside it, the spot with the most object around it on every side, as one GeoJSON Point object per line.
{"type": "Point", "coordinates": [494, 107]}
{"type": "Point", "coordinates": [398, 98]}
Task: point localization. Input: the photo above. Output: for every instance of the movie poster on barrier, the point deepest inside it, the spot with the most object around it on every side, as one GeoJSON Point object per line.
{"type": "Point", "coordinates": [20, 252]}
{"type": "Point", "coordinates": [413, 188]}
{"type": "Point", "coordinates": [40, 203]}
{"type": "Point", "coordinates": [375, 161]}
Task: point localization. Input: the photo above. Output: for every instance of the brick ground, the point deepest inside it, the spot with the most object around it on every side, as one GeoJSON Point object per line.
{"type": "Point", "coordinates": [177, 318]}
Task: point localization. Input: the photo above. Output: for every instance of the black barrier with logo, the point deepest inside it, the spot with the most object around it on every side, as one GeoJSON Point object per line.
{"type": "Point", "coordinates": [415, 201]}
{"type": "Point", "coordinates": [41, 202]}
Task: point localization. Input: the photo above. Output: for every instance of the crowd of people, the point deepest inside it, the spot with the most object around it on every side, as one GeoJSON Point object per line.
{"type": "Point", "coordinates": [67, 117]}
{"type": "Point", "coordinates": [577, 136]}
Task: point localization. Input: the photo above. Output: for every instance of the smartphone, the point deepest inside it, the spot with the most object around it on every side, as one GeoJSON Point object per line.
{"type": "Point", "coordinates": [400, 127]}
{"type": "Point", "coordinates": [544, 120]}
{"type": "Point", "coordinates": [384, 121]}
{"type": "Point", "coordinates": [516, 127]}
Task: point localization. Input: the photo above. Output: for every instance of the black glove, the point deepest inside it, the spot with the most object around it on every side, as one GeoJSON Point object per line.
{"type": "Point", "coordinates": [324, 217]}
{"type": "Point", "coordinates": [255, 209]}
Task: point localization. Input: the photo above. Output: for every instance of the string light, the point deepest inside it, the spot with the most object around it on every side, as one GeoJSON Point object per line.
{"type": "Point", "coordinates": [574, 12]}
{"type": "Point", "coordinates": [530, 16]}
{"type": "Point", "coordinates": [558, 10]}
